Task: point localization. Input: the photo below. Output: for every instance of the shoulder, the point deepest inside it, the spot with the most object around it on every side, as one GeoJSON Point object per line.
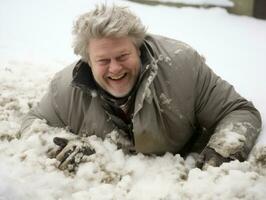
{"type": "Point", "coordinates": [180, 53]}
{"type": "Point", "coordinates": [174, 54]}
{"type": "Point", "coordinates": [168, 45]}
{"type": "Point", "coordinates": [64, 77]}
{"type": "Point", "coordinates": [65, 98]}
{"type": "Point", "coordinates": [60, 86]}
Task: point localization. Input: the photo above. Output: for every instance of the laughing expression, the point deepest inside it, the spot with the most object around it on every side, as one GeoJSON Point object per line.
{"type": "Point", "coordinates": [115, 64]}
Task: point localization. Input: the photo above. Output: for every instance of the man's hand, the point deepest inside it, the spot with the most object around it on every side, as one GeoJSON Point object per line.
{"type": "Point", "coordinates": [71, 151]}
{"type": "Point", "coordinates": [210, 157]}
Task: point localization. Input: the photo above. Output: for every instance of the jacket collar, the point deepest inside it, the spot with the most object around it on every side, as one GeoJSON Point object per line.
{"type": "Point", "coordinates": [82, 77]}
{"type": "Point", "coordinates": [151, 67]}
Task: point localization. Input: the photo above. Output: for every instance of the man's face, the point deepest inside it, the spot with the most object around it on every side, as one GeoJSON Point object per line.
{"type": "Point", "coordinates": [115, 64]}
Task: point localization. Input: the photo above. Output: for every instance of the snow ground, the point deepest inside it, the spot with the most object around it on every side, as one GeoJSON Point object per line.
{"type": "Point", "coordinates": [35, 42]}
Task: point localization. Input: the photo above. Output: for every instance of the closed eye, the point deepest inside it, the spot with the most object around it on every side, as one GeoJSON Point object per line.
{"type": "Point", "coordinates": [103, 61]}
{"type": "Point", "coordinates": [123, 57]}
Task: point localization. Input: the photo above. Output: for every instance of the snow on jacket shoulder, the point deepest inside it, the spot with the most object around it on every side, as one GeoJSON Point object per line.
{"type": "Point", "coordinates": [179, 96]}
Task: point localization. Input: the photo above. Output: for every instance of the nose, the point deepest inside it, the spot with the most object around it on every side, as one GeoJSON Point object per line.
{"type": "Point", "coordinates": [114, 67]}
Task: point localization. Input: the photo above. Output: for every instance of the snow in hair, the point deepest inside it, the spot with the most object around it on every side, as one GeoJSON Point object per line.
{"type": "Point", "coordinates": [103, 21]}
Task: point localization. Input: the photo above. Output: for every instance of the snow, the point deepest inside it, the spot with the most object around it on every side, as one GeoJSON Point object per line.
{"type": "Point", "coordinates": [232, 141]}
{"type": "Point", "coordinates": [35, 42]}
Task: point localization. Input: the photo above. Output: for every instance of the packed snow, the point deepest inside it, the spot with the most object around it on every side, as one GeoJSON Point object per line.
{"type": "Point", "coordinates": [35, 42]}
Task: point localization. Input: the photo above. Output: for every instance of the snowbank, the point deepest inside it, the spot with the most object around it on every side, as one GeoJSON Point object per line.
{"type": "Point", "coordinates": [27, 173]}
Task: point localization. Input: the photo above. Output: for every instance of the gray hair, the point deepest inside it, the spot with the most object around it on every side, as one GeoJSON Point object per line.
{"type": "Point", "coordinates": [103, 21]}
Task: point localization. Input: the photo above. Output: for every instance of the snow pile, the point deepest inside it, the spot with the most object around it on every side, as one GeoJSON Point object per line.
{"type": "Point", "coordinates": [230, 181]}
{"type": "Point", "coordinates": [28, 173]}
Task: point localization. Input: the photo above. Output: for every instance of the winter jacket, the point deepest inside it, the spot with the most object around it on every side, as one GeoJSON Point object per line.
{"type": "Point", "coordinates": [179, 101]}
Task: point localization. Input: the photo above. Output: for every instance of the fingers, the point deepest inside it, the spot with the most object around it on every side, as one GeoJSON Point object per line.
{"type": "Point", "coordinates": [70, 152]}
{"type": "Point", "coordinates": [88, 151]}
{"type": "Point", "coordinates": [237, 156]}
{"type": "Point", "coordinates": [214, 161]}
{"type": "Point", "coordinates": [72, 155]}
{"type": "Point", "coordinates": [200, 161]}
{"type": "Point", "coordinates": [65, 153]}
{"type": "Point", "coordinates": [62, 142]}
{"type": "Point", "coordinates": [71, 159]}
{"type": "Point", "coordinates": [52, 152]}
{"type": "Point", "coordinates": [210, 157]}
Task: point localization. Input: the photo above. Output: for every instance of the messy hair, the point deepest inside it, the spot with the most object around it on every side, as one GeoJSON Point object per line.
{"type": "Point", "coordinates": [103, 21]}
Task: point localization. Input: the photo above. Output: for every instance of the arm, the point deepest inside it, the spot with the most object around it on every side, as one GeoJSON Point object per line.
{"type": "Point", "coordinates": [55, 106]}
{"type": "Point", "coordinates": [46, 109]}
{"type": "Point", "coordinates": [235, 122]}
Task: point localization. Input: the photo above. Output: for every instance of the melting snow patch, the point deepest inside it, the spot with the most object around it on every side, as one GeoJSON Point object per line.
{"type": "Point", "coordinates": [164, 99]}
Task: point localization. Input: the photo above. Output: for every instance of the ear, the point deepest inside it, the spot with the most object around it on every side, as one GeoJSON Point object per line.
{"type": "Point", "coordinates": [139, 52]}
{"type": "Point", "coordinates": [89, 61]}
{"type": "Point", "coordinates": [88, 56]}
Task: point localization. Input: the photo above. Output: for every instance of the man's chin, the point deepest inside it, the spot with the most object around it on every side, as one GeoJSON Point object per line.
{"type": "Point", "coordinates": [119, 94]}
{"type": "Point", "coordinates": [116, 95]}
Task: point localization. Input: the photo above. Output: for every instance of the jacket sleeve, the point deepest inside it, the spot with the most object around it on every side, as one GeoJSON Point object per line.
{"type": "Point", "coordinates": [46, 109]}
{"type": "Point", "coordinates": [235, 123]}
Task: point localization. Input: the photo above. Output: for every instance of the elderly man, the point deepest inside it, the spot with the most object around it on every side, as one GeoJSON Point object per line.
{"type": "Point", "coordinates": [157, 92]}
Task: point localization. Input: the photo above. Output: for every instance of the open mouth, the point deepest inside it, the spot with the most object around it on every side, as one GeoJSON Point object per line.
{"type": "Point", "coordinates": [118, 77]}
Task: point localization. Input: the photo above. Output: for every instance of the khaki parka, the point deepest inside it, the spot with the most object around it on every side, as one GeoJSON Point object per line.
{"type": "Point", "coordinates": [180, 100]}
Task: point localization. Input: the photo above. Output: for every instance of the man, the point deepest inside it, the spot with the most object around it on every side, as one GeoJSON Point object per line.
{"type": "Point", "coordinates": [157, 92]}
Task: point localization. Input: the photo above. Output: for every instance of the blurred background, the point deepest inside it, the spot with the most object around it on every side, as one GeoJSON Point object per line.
{"type": "Point", "coordinates": [256, 8]}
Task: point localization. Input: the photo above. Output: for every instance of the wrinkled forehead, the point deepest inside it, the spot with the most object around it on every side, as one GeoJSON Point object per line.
{"type": "Point", "coordinates": [99, 47]}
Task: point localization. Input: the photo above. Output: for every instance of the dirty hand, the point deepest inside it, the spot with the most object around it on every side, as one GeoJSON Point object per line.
{"type": "Point", "coordinates": [71, 151]}
{"type": "Point", "coordinates": [210, 157]}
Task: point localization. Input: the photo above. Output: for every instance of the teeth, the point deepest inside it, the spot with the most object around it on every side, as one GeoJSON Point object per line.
{"type": "Point", "coordinates": [117, 77]}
